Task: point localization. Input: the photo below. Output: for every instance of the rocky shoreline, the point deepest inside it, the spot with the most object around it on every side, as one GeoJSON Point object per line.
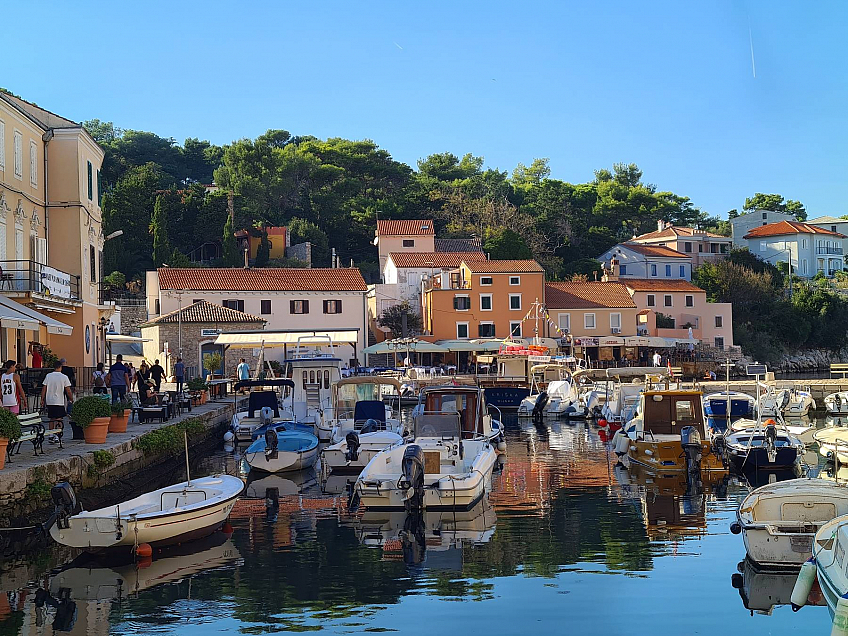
{"type": "Point", "coordinates": [808, 361]}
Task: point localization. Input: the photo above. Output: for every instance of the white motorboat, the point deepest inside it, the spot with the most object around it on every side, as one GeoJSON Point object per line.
{"type": "Point", "coordinates": [827, 564]}
{"type": "Point", "coordinates": [174, 514]}
{"type": "Point", "coordinates": [833, 443]}
{"type": "Point", "coordinates": [801, 428]}
{"type": "Point", "coordinates": [552, 393]}
{"type": "Point", "coordinates": [787, 402]}
{"type": "Point", "coordinates": [263, 394]}
{"type": "Point", "coordinates": [281, 450]}
{"type": "Point", "coordinates": [446, 465]}
{"type": "Point", "coordinates": [314, 374]}
{"type": "Point", "coordinates": [778, 521]}
{"type": "Point", "coordinates": [737, 403]}
{"type": "Point", "coordinates": [837, 403]}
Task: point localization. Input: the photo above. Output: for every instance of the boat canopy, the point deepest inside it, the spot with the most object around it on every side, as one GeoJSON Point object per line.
{"type": "Point", "coordinates": [256, 339]}
{"type": "Point", "coordinates": [246, 384]}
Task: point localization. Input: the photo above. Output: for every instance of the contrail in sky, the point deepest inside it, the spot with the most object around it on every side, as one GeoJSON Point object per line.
{"type": "Point", "coordinates": [751, 40]}
{"type": "Point", "coordinates": [399, 46]}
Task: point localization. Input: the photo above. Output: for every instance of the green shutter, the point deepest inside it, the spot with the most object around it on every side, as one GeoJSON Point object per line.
{"type": "Point", "coordinates": [90, 184]}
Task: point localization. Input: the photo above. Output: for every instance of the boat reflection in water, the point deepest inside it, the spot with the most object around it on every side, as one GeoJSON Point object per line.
{"type": "Point", "coordinates": [434, 539]}
{"type": "Point", "coordinates": [763, 590]}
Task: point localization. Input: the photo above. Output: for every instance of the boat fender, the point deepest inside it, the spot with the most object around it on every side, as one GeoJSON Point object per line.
{"type": "Point", "coordinates": [352, 441]}
{"type": "Point", "coordinates": [840, 617]}
{"type": "Point", "coordinates": [144, 551]}
{"type": "Point", "coordinates": [803, 585]}
{"type": "Point", "coordinates": [228, 436]}
{"type": "Point", "coordinates": [735, 528]}
{"type": "Point", "coordinates": [737, 581]}
{"type": "Point", "coordinates": [602, 422]}
{"type": "Point", "coordinates": [272, 443]}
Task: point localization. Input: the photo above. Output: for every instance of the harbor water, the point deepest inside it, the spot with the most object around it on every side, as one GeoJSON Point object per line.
{"type": "Point", "coordinates": [566, 541]}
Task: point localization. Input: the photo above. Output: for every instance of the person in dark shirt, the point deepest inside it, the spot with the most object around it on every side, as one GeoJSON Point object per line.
{"type": "Point", "coordinates": [146, 395]}
{"type": "Point", "coordinates": [118, 379]}
{"type": "Point", "coordinates": [156, 373]}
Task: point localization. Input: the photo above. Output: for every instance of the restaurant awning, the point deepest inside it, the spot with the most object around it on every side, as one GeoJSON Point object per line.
{"type": "Point", "coordinates": [255, 339]}
{"type": "Point", "coordinates": [17, 316]}
{"type": "Point", "coordinates": [119, 337]}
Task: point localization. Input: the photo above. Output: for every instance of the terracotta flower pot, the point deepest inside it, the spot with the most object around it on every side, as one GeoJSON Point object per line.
{"type": "Point", "coordinates": [95, 433]}
{"type": "Point", "coordinates": [4, 443]}
{"type": "Point", "coordinates": [204, 396]}
{"type": "Point", "coordinates": [118, 423]}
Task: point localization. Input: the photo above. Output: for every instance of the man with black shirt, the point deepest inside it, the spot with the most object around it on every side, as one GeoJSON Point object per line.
{"type": "Point", "coordinates": [156, 372]}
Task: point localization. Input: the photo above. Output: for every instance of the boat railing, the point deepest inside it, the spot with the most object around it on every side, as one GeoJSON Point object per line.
{"type": "Point", "coordinates": [500, 415]}
{"type": "Point", "coordinates": [437, 424]}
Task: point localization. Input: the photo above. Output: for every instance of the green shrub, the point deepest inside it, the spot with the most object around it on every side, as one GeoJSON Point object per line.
{"type": "Point", "coordinates": [119, 407]}
{"type": "Point", "coordinates": [103, 459]}
{"type": "Point", "coordinates": [196, 384]}
{"type": "Point", "coordinates": [87, 409]}
{"type": "Point", "coordinates": [39, 489]}
{"type": "Point", "coordinates": [10, 428]}
{"type": "Point", "coordinates": [169, 439]}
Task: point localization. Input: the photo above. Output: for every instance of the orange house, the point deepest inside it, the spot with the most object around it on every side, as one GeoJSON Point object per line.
{"type": "Point", "coordinates": [483, 299]}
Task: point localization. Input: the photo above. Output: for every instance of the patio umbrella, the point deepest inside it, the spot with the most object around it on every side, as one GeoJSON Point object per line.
{"type": "Point", "coordinates": [404, 344]}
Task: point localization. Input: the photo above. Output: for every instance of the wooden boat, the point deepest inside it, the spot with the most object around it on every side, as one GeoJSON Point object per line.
{"type": "Point", "coordinates": [779, 521]}
{"type": "Point", "coordinates": [668, 433]}
{"type": "Point", "coordinates": [282, 450]}
{"type": "Point", "coordinates": [174, 514]}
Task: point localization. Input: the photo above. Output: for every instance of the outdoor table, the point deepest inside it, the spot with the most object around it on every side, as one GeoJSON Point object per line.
{"type": "Point", "coordinates": [218, 388]}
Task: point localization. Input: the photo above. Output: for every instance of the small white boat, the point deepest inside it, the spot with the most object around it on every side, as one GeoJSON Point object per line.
{"type": "Point", "coordinates": [833, 443]}
{"type": "Point", "coordinates": [552, 393]}
{"type": "Point", "coordinates": [801, 428]}
{"type": "Point", "coordinates": [828, 565]}
{"type": "Point", "coordinates": [778, 521]}
{"type": "Point", "coordinates": [446, 465]}
{"type": "Point", "coordinates": [282, 450]}
{"type": "Point", "coordinates": [174, 514]}
{"type": "Point", "coordinates": [837, 403]}
{"type": "Point", "coordinates": [788, 402]}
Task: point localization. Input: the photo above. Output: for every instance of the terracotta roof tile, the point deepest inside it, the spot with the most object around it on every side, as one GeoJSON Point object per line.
{"type": "Point", "coordinates": [504, 267]}
{"type": "Point", "coordinates": [783, 228]}
{"type": "Point", "coordinates": [587, 295]}
{"type": "Point", "coordinates": [651, 284]}
{"type": "Point", "coordinates": [262, 279]}
{"type": "Point", "coordinates": [659, 251]}
{"type": "Point", "coordinates": [673, 231]}
{"type": "Point", "coordinates": [405, 227]}
{"type": "Point", "coordinates": [204, 311]}
{"type": "Point", "coordinates": [433, 259]}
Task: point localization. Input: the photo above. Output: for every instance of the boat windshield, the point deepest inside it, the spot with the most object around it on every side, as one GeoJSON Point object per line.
{"type": "Point", "coordinates": [349, 394]}
{"type": "Point", "coordinates": [443, 425]}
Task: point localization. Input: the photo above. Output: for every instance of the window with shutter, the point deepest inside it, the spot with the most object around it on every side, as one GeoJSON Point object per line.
{"type": "Point", "coordinates": [19, 162]}
{"type": "Point", "coordinates": [93, 259]}
{"type": "Point", "coordinates": [33, 163]}
{"type": "Point", "coordinates": [2, 145]}
{"type": "Point", "coordinates": [332, 306]}
{"type": "Point", "coordinates": [299, 306]}
{"type": "Point", "coordinates": [90, 184]}
{"type": "Point", "coordinates": [99, 187]}
{"type": "Point", "coordinates": [265, 307]}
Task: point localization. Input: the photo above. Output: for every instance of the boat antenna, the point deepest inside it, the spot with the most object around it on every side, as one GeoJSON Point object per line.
{"type": "Point", "coordinates": [188, 470]}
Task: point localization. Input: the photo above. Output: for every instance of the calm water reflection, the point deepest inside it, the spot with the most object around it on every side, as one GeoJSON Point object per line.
{"type": "Point", "coordinates": [566, 540]}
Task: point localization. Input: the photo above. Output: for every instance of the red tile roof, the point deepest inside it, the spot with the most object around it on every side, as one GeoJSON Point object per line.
{"type": "Point", "coordinates": [651, 284]}
{"type": "Point", "coordinates": [789, 227]}
{"type": "Point", "coordinates": [587, 295]}
{"type": "Point", "coordinates": [204, 311]}
{"type": "Point", "coordinates": [659, 251]}
{"type": "Point", "coordinates": [504, 267]}
{"type": "Point", "coordinates": [405, 227]}
{"type": "Point", "coordinates": [434, 259]}
{"type": "Point", "coordinates": [673, 231]}
{"type": "Point", "coordinates": [261, 279]}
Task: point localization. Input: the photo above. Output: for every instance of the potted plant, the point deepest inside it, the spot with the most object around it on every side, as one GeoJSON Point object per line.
{"type": "Point", "coordinates": [118, 420]}
{"type": "Point", "coordinates": [10, 429]}
{"type": "Point", "coordinates": [92, 413]}
{"type": "Point", "coordinates": [212, 363]}
{"type": "Point", "coordinates": [198, 386]}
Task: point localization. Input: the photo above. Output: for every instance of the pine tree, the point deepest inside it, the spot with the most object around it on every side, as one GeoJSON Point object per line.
{"type": "Point", "coordinates": [231, 255]}
{"type": "Point", "coordinates": [159, 226]}
{"type": "Point", "coordinates": [263, 252]}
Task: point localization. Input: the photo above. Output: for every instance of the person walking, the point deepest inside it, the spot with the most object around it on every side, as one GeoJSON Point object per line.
{"type": "Point", "coordinates": [144, 370]}
{"type": "Point", "coordinates": [53, 392]}
{"type": "Point", "coordinates": [99, 379]}
{"type": "Point", "coordinates": [242, 372]}
{"type": "Point", "coordinates": [657, 359]}
{"type": "Point", "coordinates": [131, 372]}
{"type": "Point", "coordinates": [179, 374]}
{"type": "Point", "coordinates": [119, 379]}
{"type": "Point", "coordinates": [11, 388]}
{"type": "Point", "coordinates": [156, 372]}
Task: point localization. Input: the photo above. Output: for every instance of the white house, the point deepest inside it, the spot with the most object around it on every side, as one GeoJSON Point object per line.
{"type": "Point", "coordinates": [744, 223]}
{"type": "Point", "coordinates": [807, 248]}
{"type": "Point", "coordinates": [638, 260]}
{"type": "Point", "coordinates": [701, 245]}
{"type": "Point", "coordinates": [407, 270]}
{"type": "Point", "coordinates": [288, 299]}
{"type": "Point", "coordinates": [834, 224]}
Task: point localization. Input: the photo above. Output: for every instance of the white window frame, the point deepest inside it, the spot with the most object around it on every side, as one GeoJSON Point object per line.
{"type": "Point", "coordinates": [615, 314]}
{"type": "Point", "coordinates": [19, 154]}
{"type": "Point", "coordinates": [517, 280]}
{"type": "Point", "coordinates": [467, 333]}
{"type": "Point", "coordinates": [670, 298]}
{"type": "Point", "coordinates": [594, 324]}
{"type": "Point", "coordinates": [2, 145]}
{"type": "Point", "coordinates": [491, 303]}
{"type": "Point", "coordinates": [518, 296]}
{"type": "Point", "coordinates": [33, 164]}
{"type": "Point", "coordinates": [512, 325]}
{"type": "Point", "coordinates": [464, 296]}
{"type": "Point", "coordinates": [488, 322]}
{"type": "Point", "coordinates": [653, 269]}
{"type": "Point", "coordinates": [485, 284]}
{"type": "Point", "coordinates": [567, 326]}
{"type": "Point", "coordinates": [763, 246]}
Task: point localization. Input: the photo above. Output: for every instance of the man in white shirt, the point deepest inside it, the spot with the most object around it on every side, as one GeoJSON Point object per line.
{"type": "Point", "coordinates": [56, 386]}
{"type": "Point", "coordinates": [657, 359]}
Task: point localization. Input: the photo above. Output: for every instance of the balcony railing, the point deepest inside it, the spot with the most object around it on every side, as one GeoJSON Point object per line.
{"type": "Point", "coordinates": [828, 250]}
{"type": "Point", "coordinates": [33, 277]}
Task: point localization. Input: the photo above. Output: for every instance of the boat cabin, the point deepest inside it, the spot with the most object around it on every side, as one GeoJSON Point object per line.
{"type": "Point", "coordinates": [666, 412]}
{"type": "Point", "coordinates": [361, 399]}
{"type": "Point", "coordinates": [466, 401]}
{"type": "Point", "coordinates": [313, 378]}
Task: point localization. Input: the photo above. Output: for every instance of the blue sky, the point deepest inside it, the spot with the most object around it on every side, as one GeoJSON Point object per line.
{"type": "Point", "coordinates": [666, 85]}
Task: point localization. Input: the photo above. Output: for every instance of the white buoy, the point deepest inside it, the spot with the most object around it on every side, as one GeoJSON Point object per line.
{"type": "Point", "coordinates": [840, 617]}
{"type": "Point", "coordinates": [502, 447]}
{"type": "Point", "coordinates": [803, 584]}
{"type": "Point", "coordinates": [229, 436]}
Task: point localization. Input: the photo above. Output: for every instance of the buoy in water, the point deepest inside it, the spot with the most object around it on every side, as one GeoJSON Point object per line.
{"type": "Point", "coordinates": [144, 550]}
{"type": "Point", "coordinates": [803, 585]}
{"type": "Point", "coordinates": [840, 615]}
{"type": "Point", "coordinates": [229, 436]}
{"type": "Point", "coordinates": [227, 528]}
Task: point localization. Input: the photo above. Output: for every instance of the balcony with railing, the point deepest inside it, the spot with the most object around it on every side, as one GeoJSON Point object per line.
{"type": "Point", "coordinates": [822, 249]}
{"type": "Point", "coordinates": [30, 277]}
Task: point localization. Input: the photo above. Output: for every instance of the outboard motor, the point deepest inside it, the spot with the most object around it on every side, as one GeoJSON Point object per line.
{"type": "Point", "coordinates": [541, 403]}
{"type": "Point", "coordinates": [690, 440]}
{"type": "Point", "coordinates": [412, 480]}
{"type": "Point", "coordinates": [352, 441]}
{"type": "Point", "coordinates": [65, 505]}
{"type": "Point", "coordinates": [370, 426]}
{"type": "Point", "coordinates": [272, 443]}
{"type": "Point", "coordinates": [266, 414]}
{"type": "Point", "coordinates": [771, 440]}
{"type": "Point", "coordinates": [719, 448]}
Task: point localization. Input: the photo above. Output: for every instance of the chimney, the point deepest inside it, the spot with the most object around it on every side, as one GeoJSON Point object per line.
{"type": "Point", "coordinates": [660, 225]}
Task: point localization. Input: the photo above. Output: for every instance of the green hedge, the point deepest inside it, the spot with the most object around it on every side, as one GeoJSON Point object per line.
{"type": "Point", "coordinates": [169, 439]}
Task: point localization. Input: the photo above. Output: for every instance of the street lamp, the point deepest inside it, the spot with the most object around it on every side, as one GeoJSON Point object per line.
{"type": "Point", "coordinates": [114, 234]}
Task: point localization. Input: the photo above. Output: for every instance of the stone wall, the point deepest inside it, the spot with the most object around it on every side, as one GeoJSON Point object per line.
{"type": "Point", "coordinates": [301, 251]}
{"type": "Point", "coordinates": [132, 317]}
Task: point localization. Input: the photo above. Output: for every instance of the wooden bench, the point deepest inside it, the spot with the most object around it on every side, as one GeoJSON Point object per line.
{"type": "Point", "coordinates": [840, 368]}
{"type": "Point", "coordinates": [32, 430]}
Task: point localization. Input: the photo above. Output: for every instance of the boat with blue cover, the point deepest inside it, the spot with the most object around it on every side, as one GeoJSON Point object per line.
{"type": "Point", "coordinates": [741, 404]}
{"type": "Point", "coordinates": [282, 449]}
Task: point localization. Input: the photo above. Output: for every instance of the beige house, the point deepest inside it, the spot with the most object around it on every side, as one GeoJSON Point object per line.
{"type": "Point", "coordinates": [51, 239]}
{"type": "Point", "coordinates": [701, 245]}
{"type": "Point", "coordinates": [404, 235]}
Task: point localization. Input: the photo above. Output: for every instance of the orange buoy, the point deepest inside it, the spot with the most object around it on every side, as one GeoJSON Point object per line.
{"type": "Point", "coordinates": [227, 528]}
{"type": "Point", "coordinates": [144, 562]}
{"type": "Point", "coordinates": [144, 551]}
